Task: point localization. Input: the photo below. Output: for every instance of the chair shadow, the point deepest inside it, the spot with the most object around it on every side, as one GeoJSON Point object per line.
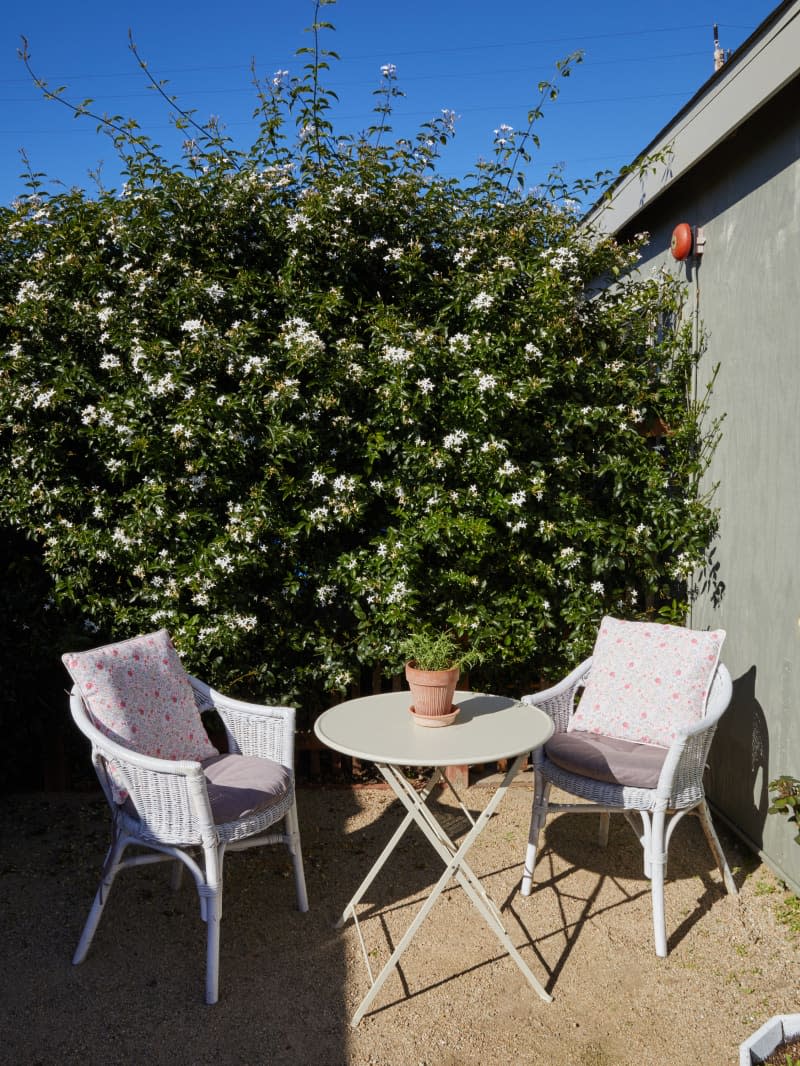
{"type": "Point", "coordinates": [570, 928]}
{"type": "Point", "coordinates": [568, 847]}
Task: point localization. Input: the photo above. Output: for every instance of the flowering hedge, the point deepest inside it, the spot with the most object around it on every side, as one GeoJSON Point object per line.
{"type": "Point", "coordinates": [289, 401]}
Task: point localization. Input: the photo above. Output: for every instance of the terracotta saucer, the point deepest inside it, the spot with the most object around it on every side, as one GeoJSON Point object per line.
{"type": "Point", "coordinates": [434, 721]}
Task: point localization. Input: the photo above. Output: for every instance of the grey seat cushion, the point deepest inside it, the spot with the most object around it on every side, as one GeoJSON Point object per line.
{"type": "Point", "coordinates": [619, 762]}
{"type": "Point", "coordinates": [242, 785]}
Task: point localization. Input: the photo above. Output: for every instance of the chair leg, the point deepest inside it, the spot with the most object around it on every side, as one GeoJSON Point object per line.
{"type": "Point", "coordinates": [716, 848]}
{"type": "Point", "coordinates": [110, 868]}
{"type": "Point", "coordinates": [541, 797]}
{"type": "Point", "coordinates": [176, 877]}
{"type": "Point", "coordinates": [602, 831]}
{"type": "Point", "coordinates": [656, 860]}
{"type": "Point", "coordinates": [295, 850]}
{"type": "Point", "coordinates": [211, 896]}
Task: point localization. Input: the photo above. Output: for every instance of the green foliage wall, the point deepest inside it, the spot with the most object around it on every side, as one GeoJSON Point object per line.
{"type": "Point", "coordinates": [287, 402]}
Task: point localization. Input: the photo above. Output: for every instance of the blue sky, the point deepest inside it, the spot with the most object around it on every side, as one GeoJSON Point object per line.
{"type": "Point", "coordinates": [481, 58]}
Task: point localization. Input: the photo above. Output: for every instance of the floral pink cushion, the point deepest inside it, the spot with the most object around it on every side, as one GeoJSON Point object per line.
{"type": "Point", "coordinates": [648, 681]}
{"type": "Point", "coordinates": [138, 694]}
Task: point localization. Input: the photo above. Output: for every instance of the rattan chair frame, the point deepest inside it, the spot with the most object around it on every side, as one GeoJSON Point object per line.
{"type": "Point", "coordinates": [679, 790]}
{"type": "Point", "coordinates": [168, 815]}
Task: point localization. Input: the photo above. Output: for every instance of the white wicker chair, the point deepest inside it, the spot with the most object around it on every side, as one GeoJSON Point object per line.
{"type": "Point", "coordinates": [679, 790]}
{"type": "Point", "coordinates": [168, 811]}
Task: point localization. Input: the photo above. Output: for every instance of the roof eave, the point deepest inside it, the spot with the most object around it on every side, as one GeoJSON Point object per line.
{"type": "Point", "coordinates": [763, 65]}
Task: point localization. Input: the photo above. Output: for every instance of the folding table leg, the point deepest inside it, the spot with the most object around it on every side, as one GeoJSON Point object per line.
{"type": "Point", "coordinates": [379, 863]}
{"type": "Point", "coordinates": [455, 866]}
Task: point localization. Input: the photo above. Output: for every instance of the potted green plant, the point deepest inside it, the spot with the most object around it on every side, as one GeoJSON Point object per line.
{"type": "Point", "coordinates": [434, 661]}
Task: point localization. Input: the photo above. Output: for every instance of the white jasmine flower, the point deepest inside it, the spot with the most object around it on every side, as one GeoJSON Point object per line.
{"type": "Point", "coordinates": [162, 387]}
{"type": "Point", "coordinates": [28, 290]}
{"type": "Point", "coordinates": [454, 441]}
{"type": "Point", "coordinates": [482, 302]}
{"type": "Point", "coordinates": [563, 258]}
{"type": "Point", "coordinates": [296, 331]}
{"type": "Point", "coordinates": [395, 355]}
{"type": "Point", "coordinates": [460, 341]}
{"type": "Point", "coordinates": [425, 385]}
{"type": "Point", "coordinates": [42, 399]}
{"type": "Point", "coordinates": [397, 592]}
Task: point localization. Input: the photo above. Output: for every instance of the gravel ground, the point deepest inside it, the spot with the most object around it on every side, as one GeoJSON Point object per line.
{"type": "Point", "coordinates": [290, 982]}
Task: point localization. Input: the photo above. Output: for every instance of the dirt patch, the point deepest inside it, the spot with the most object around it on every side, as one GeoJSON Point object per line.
{"type": "Point", "coordinates": [289, 983]}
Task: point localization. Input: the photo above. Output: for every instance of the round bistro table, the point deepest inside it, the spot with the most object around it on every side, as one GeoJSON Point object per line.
{"type": "Point", "coordinates": [381, 729]}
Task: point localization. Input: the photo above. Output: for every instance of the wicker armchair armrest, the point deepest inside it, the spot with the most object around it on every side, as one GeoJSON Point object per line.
{"type": "Point", "coordinates": [558, 701]}
{"type": "Point", "coordinates": [681, 780]}
{"type": "Point", "coordinates": [252, 728]}
{"type": "Point", "coordinates": [170, 796]}
{"type": "Point", "coordinates": [686, 758]}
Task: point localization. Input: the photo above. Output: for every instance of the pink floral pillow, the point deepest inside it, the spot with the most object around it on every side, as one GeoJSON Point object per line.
{"type": "Point", "coordinates": [138, 694]}
{"type": "Point", "coordinates": [647, 681]}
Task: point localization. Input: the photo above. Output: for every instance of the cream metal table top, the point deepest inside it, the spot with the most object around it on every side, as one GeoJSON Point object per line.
{"type": "Point", "coordinates": [381, 729]}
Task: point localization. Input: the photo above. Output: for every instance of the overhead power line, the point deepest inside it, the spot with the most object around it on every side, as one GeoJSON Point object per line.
{"type": "Point", "coordinates": [572, 40]}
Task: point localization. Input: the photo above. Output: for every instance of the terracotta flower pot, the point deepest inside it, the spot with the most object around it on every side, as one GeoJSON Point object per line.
{"type": "Point", "coordinates": [432, 691]}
